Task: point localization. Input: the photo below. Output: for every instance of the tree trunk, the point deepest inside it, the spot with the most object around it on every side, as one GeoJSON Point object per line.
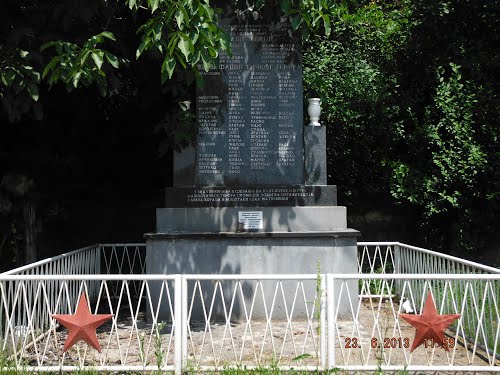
{"type": "Point", "coordinates": [31, 230]}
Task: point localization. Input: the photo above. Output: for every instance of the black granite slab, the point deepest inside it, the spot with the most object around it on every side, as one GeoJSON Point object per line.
{"type": "Point", "coordinates": [336, 234]}
{"type": "Point", "coordinates": [250, 108]}
{"type": "Point", "coordinates": [250, 196]}
{"type": "Point", "coordinates": [315, 155]}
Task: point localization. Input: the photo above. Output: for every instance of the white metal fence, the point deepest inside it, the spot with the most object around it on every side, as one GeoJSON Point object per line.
{"type": "Point", "coordinates": [90, 260]}
{"type": "Point", "coordinates": [396, 257]}
{"type": "Point", "coordinates": [174, 322]}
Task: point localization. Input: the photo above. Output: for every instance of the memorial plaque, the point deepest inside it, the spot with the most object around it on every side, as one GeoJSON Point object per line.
{"type": "Point", "coordinates": [250, 110]}
{"type": "Point", "coordinates": [251, 219]}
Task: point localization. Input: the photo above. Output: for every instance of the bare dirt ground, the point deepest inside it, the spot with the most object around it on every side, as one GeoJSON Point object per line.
{"type": "Point", "coordinates": [258, 343]}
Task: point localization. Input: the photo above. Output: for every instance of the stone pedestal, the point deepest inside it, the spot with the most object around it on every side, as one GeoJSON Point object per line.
{"type": "Point", "coordinates": [253, 253]}
{"type": "Point", "coordinates": [294, 241]}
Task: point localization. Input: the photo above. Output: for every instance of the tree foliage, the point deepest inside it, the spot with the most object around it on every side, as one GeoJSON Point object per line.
{"type": "Point", "coordinates": [73, 64]}
{"type": "Point", "coordinates": [412, 104]}
{"type": "Point", "coordinates": [454, 157]}
{"type": "Point", "coordinates": [184, 33]}
{"type": "Point", "coordinates": [409, 88]}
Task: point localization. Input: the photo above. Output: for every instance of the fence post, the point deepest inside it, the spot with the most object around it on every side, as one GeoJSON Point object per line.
{"type": "Point", "coordinates": [330, 301]}
{"type": "Point", "coordinates": [178, 324]}
{"type": "Point", "coordinates": [397, 258]}
{"type": "Point", "coordinates": [398, 267]}
{"type": "Point", "coordinates": [2, 303]}
{"type": "Point", "coordinates": [184, 322]}
{"type": "Point", "coordinates": [323, 333]}
{"type": "Point", "coordinates": [98, 251]}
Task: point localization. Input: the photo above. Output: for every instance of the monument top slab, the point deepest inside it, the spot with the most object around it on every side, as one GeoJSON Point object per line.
{"type": "Point", "coordinates": [250, 108]}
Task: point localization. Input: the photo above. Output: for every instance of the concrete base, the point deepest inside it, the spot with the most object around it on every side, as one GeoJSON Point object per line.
{"type": "Point", "coordinates": [253, 253]}
{"type": "Point", "coordinates": [275, 219]}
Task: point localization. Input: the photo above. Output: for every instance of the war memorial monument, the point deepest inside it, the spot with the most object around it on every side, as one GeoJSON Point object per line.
{"type": "Point", "coordinates": [250, 196]}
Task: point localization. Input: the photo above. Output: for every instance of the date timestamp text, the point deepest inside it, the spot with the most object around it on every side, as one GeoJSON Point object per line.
{"type": "Point", "coordinates": [386, 343]}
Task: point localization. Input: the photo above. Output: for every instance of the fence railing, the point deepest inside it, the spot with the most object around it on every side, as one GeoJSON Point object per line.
{"type": "Point", "coordinates": [121, 258]}
{"type": "Point", "coordinates": [90, 260]}
{"type": "Point", "coordinates": [207, 322]}
{"type": "Point", "coordinates": [396, 257]}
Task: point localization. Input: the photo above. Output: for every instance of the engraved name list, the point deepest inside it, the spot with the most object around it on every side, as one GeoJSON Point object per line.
{"type": "Point", "coordinates": [250, 111]}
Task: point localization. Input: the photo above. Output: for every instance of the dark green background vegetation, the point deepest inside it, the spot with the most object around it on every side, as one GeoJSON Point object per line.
{"type": "Point", "coordinates": [90, 116]}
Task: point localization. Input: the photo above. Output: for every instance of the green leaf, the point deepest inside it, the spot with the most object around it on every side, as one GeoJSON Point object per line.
{"type": "Point", "coordinates": [209, 11]}
{"type": "Point", "coordinates": [184, 11]}
{"type": "Point", "coordinates": [296, 21]}
{"type": "Point", "coordinates": [131, 4]}
{"type": "Point", "coordinates": [206, 63]}
{"type": "Point", "coordinates": [157, 32]}
{"type": "Point", "coordinates": [23, 54]}
{"type": "Point", "coordinates": [184, 45]}
{"type": "Point", "coordinates": [172, 42]}
{"type": "Point", "coordinates": [76, 79]}
{"type": "Point", "coordinates": [33, 91]}
{"type": "Point", "coordinates": [51, 65]}
{"type": "Point", "coordinates": [301, 357]}
{"type": "Point", "coordinates": [315, 20]}
{"type": "Point", "coordinates": [213, 52]}
{"type": "Point", "coordinates": [141, 48]}
{"type": "Point", "coordinates": [50, 44]}
{"type": "Point", "coordinates": [98, 57]}
{"type": "Point", "coordinates": [154, 5]}
{"type": "Point", "coordinates": [108, 34]}
{"type": "Point", "coordinates": [326, 21]}
{"type": "Point", "coordinates": [225, 42]}
{"type": "Point", "coordinates": [112, 59]}
{"type": "Point", "coordinates": [8, 77]}
{"type": "Point", "coordinates": [196, 57]}
{"type": "Point", "coordinates": [92, 42]}
{"type": "Point", "coordinates": [179, 17]}
{"type": "Point", "coordinates": [167, 69]}
{"type": "Point", "coordinates": [180, 59]}
{"type": "Point", "coordinates": [54, 77]}
{"type": "Point", "coordinates": [84, 57]}
{"type": "Point", "coordinates": [193, 36]}
{"type": "Point", "coordinates": [285, 6]}
{"type": "Point", "coordinates": [37, 77]}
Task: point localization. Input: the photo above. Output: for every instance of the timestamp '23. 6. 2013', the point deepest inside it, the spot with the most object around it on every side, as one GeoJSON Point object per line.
{"type": "Point", "coordinates": [386, 343]}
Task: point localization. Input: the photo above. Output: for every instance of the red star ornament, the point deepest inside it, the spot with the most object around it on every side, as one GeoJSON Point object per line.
{"type": "Point", "coordinates": [429, 325]}
{"type": "Point", "coordinates": [82, 325]}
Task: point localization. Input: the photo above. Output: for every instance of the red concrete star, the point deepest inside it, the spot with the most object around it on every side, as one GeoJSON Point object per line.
{"type": "Point", "coordinates": [429, 325]}
{"type": "Point", "coordinates": [82, 325]}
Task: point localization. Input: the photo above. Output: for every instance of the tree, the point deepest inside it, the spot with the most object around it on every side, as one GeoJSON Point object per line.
{"type": "Point", "coordinates": [412, 109]}
{"type": "Point", "coordinates": [448, 122]}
